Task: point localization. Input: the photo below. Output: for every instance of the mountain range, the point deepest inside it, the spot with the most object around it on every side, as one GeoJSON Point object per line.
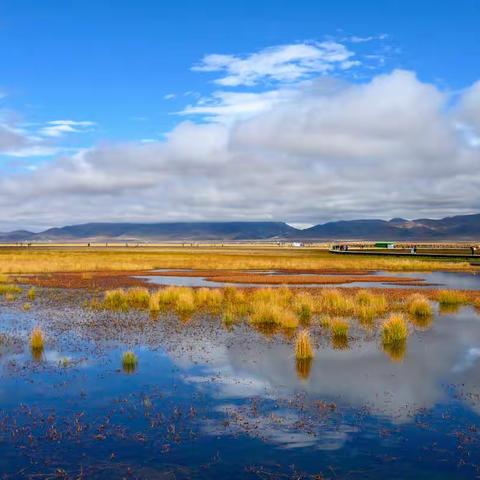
{"type": "Point", "coordinates": [460, 227]}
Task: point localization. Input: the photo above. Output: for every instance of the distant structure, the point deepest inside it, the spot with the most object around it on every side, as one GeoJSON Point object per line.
{"type": "Point", "coordinates": [384, 245]}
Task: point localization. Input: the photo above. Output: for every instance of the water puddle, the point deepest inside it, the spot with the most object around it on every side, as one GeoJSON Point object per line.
{"type": "Point", "coordinates": [450, 280]}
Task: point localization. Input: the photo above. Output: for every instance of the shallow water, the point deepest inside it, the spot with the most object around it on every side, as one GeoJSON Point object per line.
{"type": "Point", "coordinates": [453, 280]}
{"type": "Point", "coordinates": [206, 402]}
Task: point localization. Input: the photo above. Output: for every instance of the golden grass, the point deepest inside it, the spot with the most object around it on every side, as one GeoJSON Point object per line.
{"type": "Point", "coordinates": [37, 340]}
{"type": "Point", "coordinates": [334, 302]}
{"type": "Point", "coordinates": [272, 314]}
{"type": "Point", "coordinates": [79, 259]}
{"type": "Point", "coordinates": [394, 329]}
{"type": "Point", "coordinates": [339, 328]}
{"type": "Point", "coordinates": [6, 289]}
{"type": "Point", "coordinates": [419, 306]}
{"type": "Point", "coordinates": [4, 278]}
{"type": "Point", "coordinates": [369, 305]}
{"type": "Point", "coordinates": [31, 294]}
{"type": "Point", "coordinates": [451, 297]}
{"type": "Point", "coordinates": [303, 346]}
{"type": "Point", "coordinates": [129, 361]}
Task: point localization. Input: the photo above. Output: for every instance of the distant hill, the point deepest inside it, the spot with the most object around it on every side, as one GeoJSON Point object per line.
{"type": "Point", "coordinates": [159, 231]}
{"type": "Point", "coordinates": [461, 227]}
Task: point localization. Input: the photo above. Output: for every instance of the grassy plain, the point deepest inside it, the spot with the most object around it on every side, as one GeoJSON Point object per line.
{"type": "Point", "coordinates": [16, 260]}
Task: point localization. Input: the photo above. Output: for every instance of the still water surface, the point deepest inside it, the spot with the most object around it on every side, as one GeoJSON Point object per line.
{"type": "Point", "coordinates": [206, 402]}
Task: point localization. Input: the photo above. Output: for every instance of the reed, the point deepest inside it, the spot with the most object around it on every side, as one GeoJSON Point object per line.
{"type": "Point", "coordinates": [303, 346]}
{"type": "Point", "coordinates": [268, 313]}
{"type": "Point", "coordinates": [369, 305]}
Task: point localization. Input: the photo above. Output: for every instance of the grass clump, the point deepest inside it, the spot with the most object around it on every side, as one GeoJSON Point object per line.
{"type": "Point", "coordinates": [8, 289]}
{"type": "Point", "coordinates": [369, 305]}
{"type": "Point", "coordinates": [115, 300]}
{"type": "Point", "coordinates": [31, 294]}
{"type": "Point", "coordinates": [451, 297]}
{"type": "Point", "coordinates": [339, 328]}
{"type": "Point", "coordinates": [304, 305]}
{"type": "Point", "coordinates": [129, 361]}
{"type": "Point", "coordinates": [37, 340]}
{"type": "Point", "coordinates": [419, 306]}
{"type": "Point", "coordinates": [137, 297]}
{"type": "Point", "coordinates": [395, 329]}
{"type": "Point", "coordinates": [334, 302]}
{"type": "Point", "coordinates": [209, 298]}
{"type": "Point", "coordinates": [303, 346]}
{"type": "Point", "coordinates": [273, 314]}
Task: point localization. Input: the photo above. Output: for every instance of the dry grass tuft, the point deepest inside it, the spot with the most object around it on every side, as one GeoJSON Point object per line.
{"type": "Point", "coordinates": [37, 340]}
{"type": "Point", "coordinates": [395, 329]}
{"type": "Point", "coordinates": [303, 346]}
{"type": "Point", "coordinates": [451, 297]}
{"type": "Point", "coordinates": [31, 294]}
{"type": "Point", "coordinates": [129, 361]}
{"type": "Point", "coordinates": [339, 328]}
{"type": "Point", "coordinates": [419, 306]}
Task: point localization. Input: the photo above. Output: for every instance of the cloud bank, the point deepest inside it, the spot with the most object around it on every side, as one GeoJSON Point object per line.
{"type": "Point", "coordinates": [305, 152]}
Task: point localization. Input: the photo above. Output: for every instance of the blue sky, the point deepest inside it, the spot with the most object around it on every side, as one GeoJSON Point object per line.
{"type": "Point", "coordinates": [100, 74]}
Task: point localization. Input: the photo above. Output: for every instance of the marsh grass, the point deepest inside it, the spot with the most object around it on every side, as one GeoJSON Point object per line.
{"type": "Point", "coordinates": [419, 306]}
{"type": "Point", "coordinates": [4, 278]}
{"type": "Point", "coordinates": [129, 362]}
{"type": "Point", "coordinates": [304, 305]}
{"type": "Point", "coordinates": [394, 329]}
{"type": "Point", "coordinates": [339, 328]}
{"type": "Point", "coordinates": [334, 302]}
{"type": "Point", "coordinates": [37, 340]}
{"type": "Point", "coordinates": [369, 305]}
{"type": "Point", "coordinates": [26, 307]}
{"type": "Point", "coordinates": [209, 298]}
{"type": "Point", "coordinates": [270, 313]}
{"type": "Point", "coordinates": [451, 297]}
{"type": "Point", "coordinates": [31, 294]}
{"type": "Point", "coordinates": [9, 289]}
{"type": "Point", "coordinates": [78, 259]}
{"type": "Point", "coordinates": [303, 346]}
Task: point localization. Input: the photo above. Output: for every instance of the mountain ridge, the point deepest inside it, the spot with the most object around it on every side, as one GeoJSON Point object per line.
{"type": "Point", "coordinates": [458, 227]}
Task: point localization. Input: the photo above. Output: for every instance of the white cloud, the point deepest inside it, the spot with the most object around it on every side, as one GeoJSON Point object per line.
{"type": "Point", "coordinates": [57, 128]}
{"type": "Point", "coordinates": [388, 147]}
{"type": "Point", "coordinates": [284, 63]}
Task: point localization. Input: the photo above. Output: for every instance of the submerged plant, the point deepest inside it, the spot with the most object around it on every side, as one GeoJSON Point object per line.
{"type": "Point", "coordinates": [303, 346]}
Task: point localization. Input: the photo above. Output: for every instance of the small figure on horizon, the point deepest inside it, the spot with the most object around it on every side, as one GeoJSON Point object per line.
{"type": "Point", "coordinates": [472, 249]}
